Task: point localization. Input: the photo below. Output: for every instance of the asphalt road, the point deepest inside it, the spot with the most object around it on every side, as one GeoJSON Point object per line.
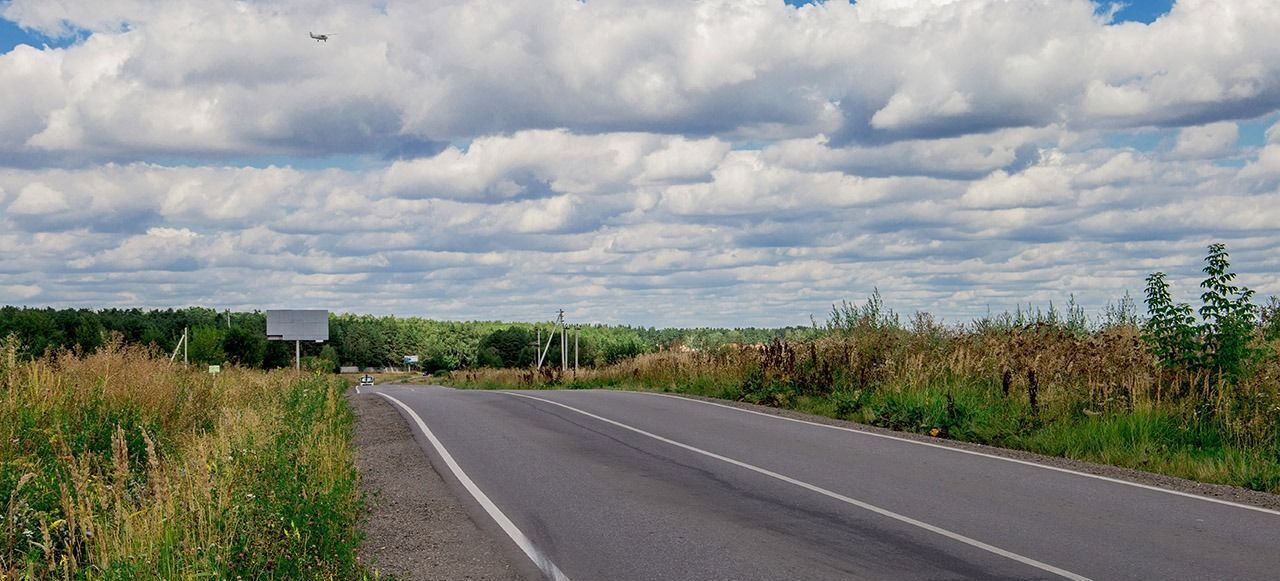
{"type": "Point", "coordinates": [610, 485]}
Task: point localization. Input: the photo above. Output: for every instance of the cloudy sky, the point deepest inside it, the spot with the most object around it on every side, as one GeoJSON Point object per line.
{"type": "Point", "coordinates": [667, 162]}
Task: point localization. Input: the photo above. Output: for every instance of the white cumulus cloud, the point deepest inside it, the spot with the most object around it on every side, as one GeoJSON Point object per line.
{"type": "Point", "coordinates": [676, 162]}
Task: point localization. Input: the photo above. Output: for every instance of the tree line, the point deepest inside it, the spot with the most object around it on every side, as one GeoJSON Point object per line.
{"type": "Point", "coordinates": [226, 337]}
{"type": "Point", "coordinates": [1221, 340]}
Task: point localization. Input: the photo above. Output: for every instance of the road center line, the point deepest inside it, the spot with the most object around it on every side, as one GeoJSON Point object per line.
{"type": "Point", "coordinates": [818, 489]}
{"type": "Point", "coordinates": [970, 452]}
{"type": "Point", "coordinates": [539, 558]}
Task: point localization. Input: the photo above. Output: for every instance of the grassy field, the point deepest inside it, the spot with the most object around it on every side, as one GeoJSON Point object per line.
{"type": "Point", "coordinates": [1097, 394]}
{"type": "Point", "coordinates": [120, 465]}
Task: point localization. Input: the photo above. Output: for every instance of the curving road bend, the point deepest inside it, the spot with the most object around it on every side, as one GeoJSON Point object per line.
{"type": "Point", "coordinates": [618, 485]}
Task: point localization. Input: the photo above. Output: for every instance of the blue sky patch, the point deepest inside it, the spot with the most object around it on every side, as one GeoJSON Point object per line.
{"type": "Point", "coordinates": [749, 145]}
{"type": "Point", "coordinates": [346, 162]}
{"type": "Point", "coordinates": [1144, 11]}
{"type": "Point", "coordinates": [12, 35]}
{"type": "Point", "coordinates": [1141, 139]}
{"type": "Point", "coordinates": [1253, 133]}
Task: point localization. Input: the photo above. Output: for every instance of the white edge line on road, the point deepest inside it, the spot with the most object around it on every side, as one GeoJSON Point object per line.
{"type": "Point", "coordinates": [973, 453]}
{"type": "Point", "coordinates": [818, 489]}
{"type": "Point", "coordinates": [539, 558]}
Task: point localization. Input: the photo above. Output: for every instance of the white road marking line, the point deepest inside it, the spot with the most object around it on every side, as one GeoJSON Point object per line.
{"type": "Point", "coordinates": [539, 558]}
{"type": "Point", "coordinates": [973, 453]}
{"type": "Point", "coordinates": [818, 489]}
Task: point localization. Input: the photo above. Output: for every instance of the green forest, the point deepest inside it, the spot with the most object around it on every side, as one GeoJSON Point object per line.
{"type": "Point", "coordinates": [225, 337]}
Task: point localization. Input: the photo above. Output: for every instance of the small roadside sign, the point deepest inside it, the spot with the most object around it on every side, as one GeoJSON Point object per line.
{"type": "Point", "coordinates": [215, 369]}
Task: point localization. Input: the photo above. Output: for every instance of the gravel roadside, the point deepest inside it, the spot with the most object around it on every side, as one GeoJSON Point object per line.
{"type": "Point", "coordinates": [415, 528]}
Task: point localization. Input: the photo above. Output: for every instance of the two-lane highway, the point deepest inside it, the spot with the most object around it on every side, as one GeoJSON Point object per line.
{"type": "Point", "coordinates": [621, 485]}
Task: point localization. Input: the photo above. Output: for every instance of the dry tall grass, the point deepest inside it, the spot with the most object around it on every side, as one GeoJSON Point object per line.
{"type": "Point", "coordinates": [119, 464]}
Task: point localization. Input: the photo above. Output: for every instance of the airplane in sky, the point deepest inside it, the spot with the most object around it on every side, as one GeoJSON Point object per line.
{"type": "Point", "coordinates": [320, 37]}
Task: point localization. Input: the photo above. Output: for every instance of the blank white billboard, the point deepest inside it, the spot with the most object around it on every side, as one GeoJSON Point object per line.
{"type": "Point", "coordinates": [298, 325]}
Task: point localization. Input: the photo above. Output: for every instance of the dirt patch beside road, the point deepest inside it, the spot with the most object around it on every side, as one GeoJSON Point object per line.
{"type": "Point", "coordinates": [415, 528]}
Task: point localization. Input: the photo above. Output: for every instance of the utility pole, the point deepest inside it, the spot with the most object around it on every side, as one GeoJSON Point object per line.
{"type": "Point", "coordinates": [577, 334]}
{"type": "Point", "coordinates": [182, 344]}
{"type": "Point", "coordinates": [186, 343]}
{"type": "Point", "coordinates": [544, 350]}
{"type": "Point", "coordinates": [297, 355]}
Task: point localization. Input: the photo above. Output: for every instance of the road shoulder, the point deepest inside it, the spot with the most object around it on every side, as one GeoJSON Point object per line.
{"type": "Point", "coordinates": [415, 528]}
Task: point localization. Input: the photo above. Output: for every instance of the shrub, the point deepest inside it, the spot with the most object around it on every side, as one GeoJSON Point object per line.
{"type": "Point", "coordinates": [1170, 328]}
{"type": "Point", "coordinates": [1228, 316]}
{"type": "Point", "coordinates": [1222, 343]}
